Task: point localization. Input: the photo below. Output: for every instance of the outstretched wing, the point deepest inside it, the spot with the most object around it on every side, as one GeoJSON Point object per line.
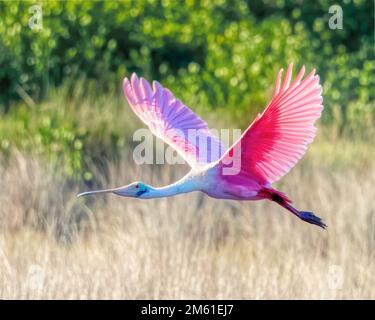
{"type": "Point", "coordinates": [170, 120]}
{"type": "Point", "coordinates": [279, 137]}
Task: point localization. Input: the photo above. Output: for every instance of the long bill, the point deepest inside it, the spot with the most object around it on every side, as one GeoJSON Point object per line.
{"type": "Point", "coordinates": [88, 193]}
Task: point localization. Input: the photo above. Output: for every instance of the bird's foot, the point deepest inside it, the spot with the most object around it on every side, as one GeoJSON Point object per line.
{"type": "Point", "coordinates": [311, 218]}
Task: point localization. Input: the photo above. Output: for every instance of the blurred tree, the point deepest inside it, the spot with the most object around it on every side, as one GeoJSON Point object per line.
{"type": "Point", "coordinates": [212, 52]}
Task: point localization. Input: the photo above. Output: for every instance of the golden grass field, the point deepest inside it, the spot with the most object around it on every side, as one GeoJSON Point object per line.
{"type": "Point", "coordinates": [54, 245]}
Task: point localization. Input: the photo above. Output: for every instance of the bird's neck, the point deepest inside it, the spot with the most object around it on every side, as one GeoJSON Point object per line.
{"type": "Point", "coordinates": [179, 187]}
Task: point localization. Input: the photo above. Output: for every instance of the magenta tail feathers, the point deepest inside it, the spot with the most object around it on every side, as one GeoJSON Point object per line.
{"type": "Point", "coordinates": [274, 195]}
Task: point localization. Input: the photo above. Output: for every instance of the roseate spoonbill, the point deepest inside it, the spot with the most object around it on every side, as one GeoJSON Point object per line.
{"type": "Point", "coordinates": [268, 149]}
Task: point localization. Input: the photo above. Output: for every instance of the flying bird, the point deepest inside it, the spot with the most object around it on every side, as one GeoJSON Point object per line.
{"type": "Point", "coordinates": [265, 152]}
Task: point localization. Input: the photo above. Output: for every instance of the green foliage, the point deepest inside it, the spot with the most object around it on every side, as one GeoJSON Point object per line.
{"type": "Point", "coordinates": [71, 129]}
{"type": "Point", "coordinates": [216, 53]}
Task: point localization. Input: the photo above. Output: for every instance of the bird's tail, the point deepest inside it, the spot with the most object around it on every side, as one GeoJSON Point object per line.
{"type": "Point", "coordinates": [281, 199]}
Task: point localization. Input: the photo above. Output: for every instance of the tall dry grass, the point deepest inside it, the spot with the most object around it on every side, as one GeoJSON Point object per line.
{"type": "Point", "coordinates": [53, 245]}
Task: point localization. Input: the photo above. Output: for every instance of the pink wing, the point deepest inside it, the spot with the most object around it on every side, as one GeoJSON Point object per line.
{"type": "Point", "coordinates": [169, 119]}
{"type": "Point", "coordinates": [279, 137]}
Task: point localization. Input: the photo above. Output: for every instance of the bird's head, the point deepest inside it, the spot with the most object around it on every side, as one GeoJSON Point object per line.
{"type": "Point", "coordinates": [132, 190]}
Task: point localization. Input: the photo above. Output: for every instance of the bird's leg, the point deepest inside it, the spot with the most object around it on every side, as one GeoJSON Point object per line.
{"type": "Point", "coordinates": [305, 216]}
{"type": "Point", "coordinates": [283, 201]}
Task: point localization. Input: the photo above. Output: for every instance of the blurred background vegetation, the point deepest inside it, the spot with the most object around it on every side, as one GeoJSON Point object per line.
{"type": "Point", "coordinates": [61, 86]}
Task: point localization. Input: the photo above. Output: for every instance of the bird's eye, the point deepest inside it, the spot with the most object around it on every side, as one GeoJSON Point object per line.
{"type": "Point", "coordinates": [137, 186]}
